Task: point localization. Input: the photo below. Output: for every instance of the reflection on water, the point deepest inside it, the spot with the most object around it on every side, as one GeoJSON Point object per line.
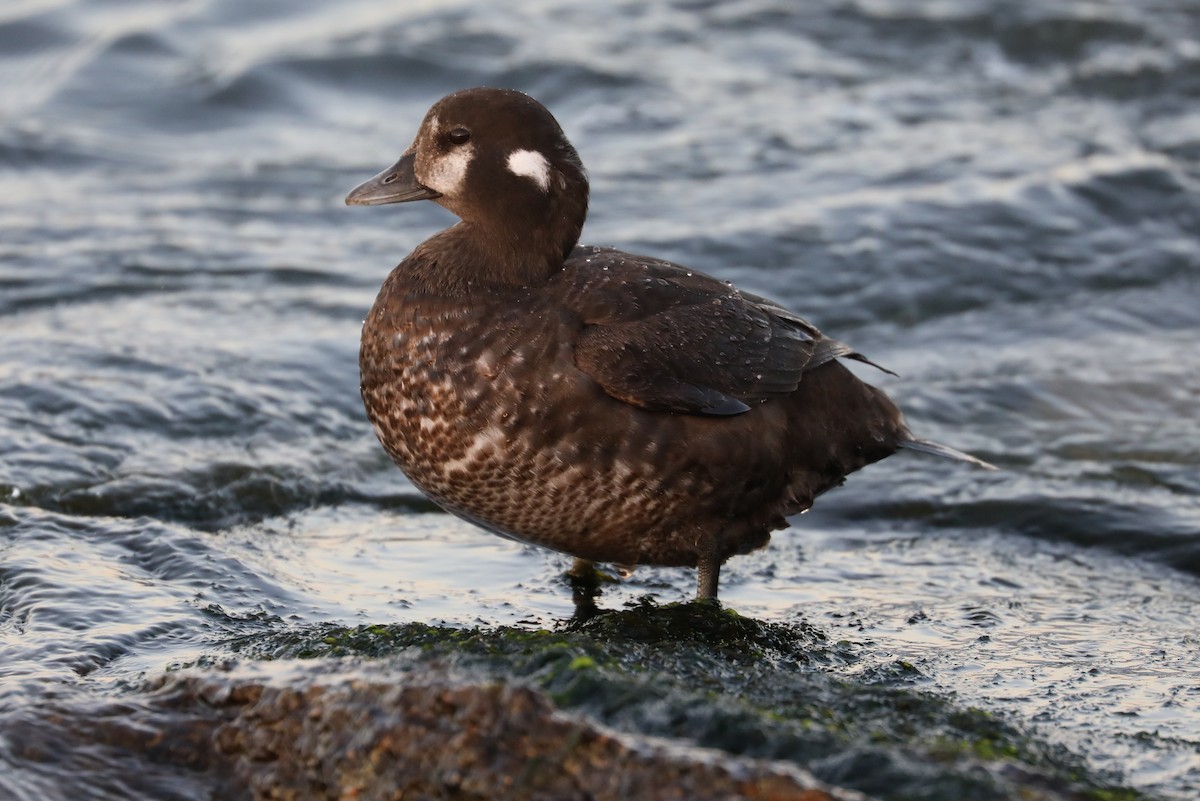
{"type": "Point", "coordinates": [998, 201]}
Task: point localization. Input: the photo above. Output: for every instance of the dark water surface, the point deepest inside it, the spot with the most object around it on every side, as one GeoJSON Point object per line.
{"type": "Point", "coordinates": [1000, 201]}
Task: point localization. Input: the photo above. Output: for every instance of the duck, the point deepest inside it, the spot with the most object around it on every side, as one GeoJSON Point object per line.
{"type": "Point", "coordinates": [619, 408]}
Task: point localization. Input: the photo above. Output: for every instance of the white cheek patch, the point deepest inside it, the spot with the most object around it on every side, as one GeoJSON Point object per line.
{"type": "Point", "coordinates": [532, 165]}
{"type": "Point", "coordinates": [448, 172]}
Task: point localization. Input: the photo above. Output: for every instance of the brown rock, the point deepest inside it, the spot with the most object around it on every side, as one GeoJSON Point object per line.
{"type": "Point", "coordinates": [366, 740]}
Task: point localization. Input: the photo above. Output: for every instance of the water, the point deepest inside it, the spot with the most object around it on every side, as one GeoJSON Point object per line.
{"type": "Point", "coordinates": [1000, 201]}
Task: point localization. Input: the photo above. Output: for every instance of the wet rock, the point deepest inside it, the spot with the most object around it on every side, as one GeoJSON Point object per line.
{"type": "Point", "coordinates": [721, 683]}
{"type": "Point", "coordinates": [371, 740]}
{"type": "Point", "coordinates": [677, 702]}
{"type": "Point", "coordinates": [684, 702]}
{"type": "Point", "coordinates": [302, 735]}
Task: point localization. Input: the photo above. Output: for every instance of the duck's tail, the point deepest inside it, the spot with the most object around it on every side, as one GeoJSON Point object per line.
{"type": "Point", "coordinates": [926, 446]}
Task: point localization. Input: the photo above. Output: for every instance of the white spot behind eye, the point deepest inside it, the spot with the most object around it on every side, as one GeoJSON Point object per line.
{"type": "Point", "coordinates": [530, 164]}
{"type": "Point", "coordinates": [449, 170]}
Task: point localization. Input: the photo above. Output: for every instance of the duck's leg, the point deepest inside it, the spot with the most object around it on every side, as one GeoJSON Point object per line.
{"type": "Point", "coordinates": [708, 570]}
{"type": "Point", "coordinates": [582, 568]}
{"type": "Point", "coordinates": [584, 580]}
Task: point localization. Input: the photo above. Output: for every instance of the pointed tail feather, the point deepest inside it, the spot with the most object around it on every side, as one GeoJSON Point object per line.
{"type": "Point", "coordinates": [925, 446]}
{"type": "Point", "coordinates": [828, 349]}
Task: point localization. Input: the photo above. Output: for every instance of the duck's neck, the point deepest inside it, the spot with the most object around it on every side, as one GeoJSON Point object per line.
{"type": "Point", "coordinates": [510, 249]}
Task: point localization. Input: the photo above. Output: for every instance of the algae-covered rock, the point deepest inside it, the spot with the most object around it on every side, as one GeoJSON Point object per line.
{"type": "Point", "coordinates": [308, 733]}
{"type": "Point", "coordinates": [703, 677]}
{"type": "Point", "coordinates": [366, 739]}
{"type": "Point", "coordinates": [673, 702]}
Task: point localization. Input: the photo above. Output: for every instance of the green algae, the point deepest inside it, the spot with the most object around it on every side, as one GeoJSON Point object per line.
{"type": "Point", "coordinates": [706, 676]}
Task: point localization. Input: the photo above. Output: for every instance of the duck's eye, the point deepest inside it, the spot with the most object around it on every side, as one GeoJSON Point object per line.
{"type": "Point", "coordinates": [459, 136]}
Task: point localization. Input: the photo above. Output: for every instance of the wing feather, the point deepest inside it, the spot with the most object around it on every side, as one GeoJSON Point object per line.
{"type": "Point", "coordinates": [662, 337]}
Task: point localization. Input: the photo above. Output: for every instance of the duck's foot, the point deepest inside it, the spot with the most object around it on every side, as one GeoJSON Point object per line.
{"type": "Point", "coordinates": [584, 580]}
{"type": "Point", "coordinates": [582, 568]}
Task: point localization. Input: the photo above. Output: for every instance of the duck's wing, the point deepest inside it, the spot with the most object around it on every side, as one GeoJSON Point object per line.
{"type": "Point", "coordinates": [662, 337]}
{"type": "Point", "coordinates": [828, 348]}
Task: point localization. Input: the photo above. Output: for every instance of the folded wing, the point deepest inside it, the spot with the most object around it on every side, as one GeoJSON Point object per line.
{"type": "Point", "coordinates": [661, 337]}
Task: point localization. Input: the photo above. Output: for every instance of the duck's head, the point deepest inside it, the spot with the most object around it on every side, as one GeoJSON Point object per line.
{"type": "Point", "coordinates": [497, 159]}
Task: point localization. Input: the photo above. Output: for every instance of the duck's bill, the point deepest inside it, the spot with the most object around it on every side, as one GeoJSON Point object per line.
{"type": "Point", "coordinates": [397, 184]}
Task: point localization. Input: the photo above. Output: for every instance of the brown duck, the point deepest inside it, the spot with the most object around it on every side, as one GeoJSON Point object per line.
{"type": "Point", "coordinates": [615, 407]}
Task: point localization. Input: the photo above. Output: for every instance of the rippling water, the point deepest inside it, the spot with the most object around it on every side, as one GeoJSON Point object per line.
{"type": "Point", "coordinates": [1000, 201]}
